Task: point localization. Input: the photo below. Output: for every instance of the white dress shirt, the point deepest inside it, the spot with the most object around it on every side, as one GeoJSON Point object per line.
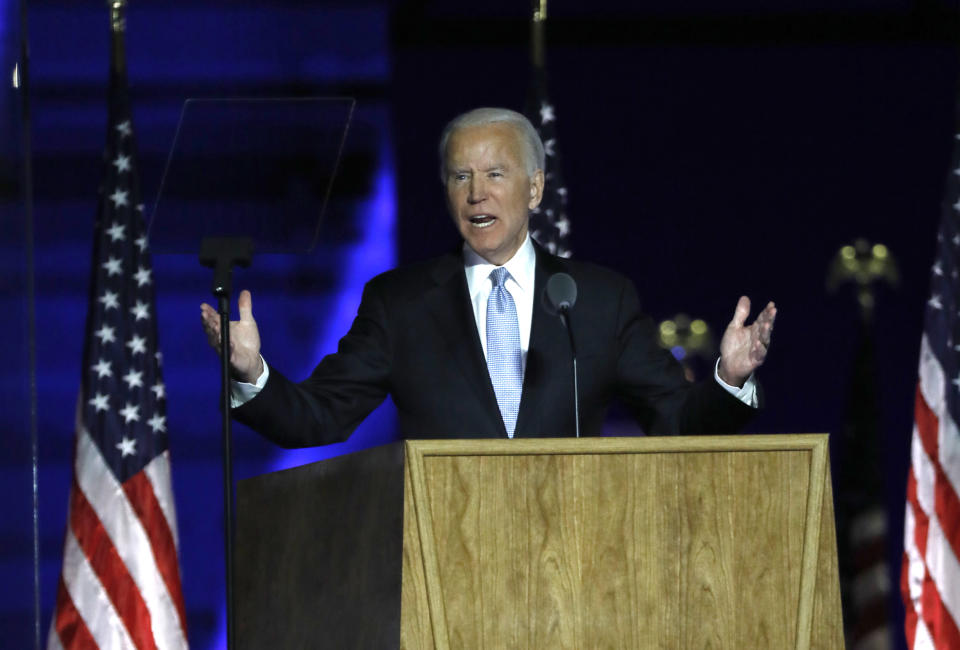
{"type": "Point", "coordinates": [522, 268]}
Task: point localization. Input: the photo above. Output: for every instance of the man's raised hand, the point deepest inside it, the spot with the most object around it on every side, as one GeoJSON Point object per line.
{"type": "Point", "coordinates": [245, 361]}
{"type": "Point", "coordinates": [744, 347]}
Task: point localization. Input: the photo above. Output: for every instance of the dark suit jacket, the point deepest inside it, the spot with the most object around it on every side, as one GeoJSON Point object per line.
{"type": "Point", "coordinates": [415, 338]}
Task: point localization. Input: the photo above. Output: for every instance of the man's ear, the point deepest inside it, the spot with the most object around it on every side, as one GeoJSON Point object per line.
{"type": "Point", "coordinates": [536, 189]}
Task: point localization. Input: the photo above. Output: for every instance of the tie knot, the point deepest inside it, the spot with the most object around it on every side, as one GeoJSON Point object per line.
{"type": "Point", "coordinates": [499, 275]}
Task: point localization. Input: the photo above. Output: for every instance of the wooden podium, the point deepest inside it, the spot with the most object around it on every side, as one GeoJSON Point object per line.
{"type": "Point", "coordinates": [682, 542]}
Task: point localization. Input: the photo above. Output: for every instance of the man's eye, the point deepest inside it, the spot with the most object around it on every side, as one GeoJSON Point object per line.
{"type": "Point", "coordinates": [459, 177]}
{"type": "Point", "coordinates": [495, 174]}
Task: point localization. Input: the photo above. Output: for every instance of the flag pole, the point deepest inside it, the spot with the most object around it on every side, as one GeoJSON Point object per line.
{"type": "Point", "coordinates": [862, 519]}
{"type": "Point", "coordinates": [549, 225]}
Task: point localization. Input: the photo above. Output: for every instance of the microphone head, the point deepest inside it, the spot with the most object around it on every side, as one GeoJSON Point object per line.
{"type": "Point", "coordinates": [560, 294]}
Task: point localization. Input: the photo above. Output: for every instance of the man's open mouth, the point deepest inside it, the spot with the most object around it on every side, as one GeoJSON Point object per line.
{"type": "Point", "coordinates": [482, 220]}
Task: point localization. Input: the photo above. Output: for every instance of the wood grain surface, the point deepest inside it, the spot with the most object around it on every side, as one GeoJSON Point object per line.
{"type": "Point", "coordinates": [416, 630]}
{"type": "Point", "coordinates": [619, 543]}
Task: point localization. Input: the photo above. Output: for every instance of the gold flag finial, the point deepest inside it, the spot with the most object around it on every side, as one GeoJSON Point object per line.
{"type": "Point", "coordinates": [863, 264]}
{"type": "Point", "coordinates": [539, 11]}
{"type": "Point", "coordinates": [118, 26]}
{"type": "Point", "coordinates": [537, 45]}
{"type": "Point", "coordinates": [118, 20]}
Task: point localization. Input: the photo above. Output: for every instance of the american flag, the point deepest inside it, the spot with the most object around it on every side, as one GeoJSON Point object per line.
{"type": "Point", "coordinates": [549, 224]}
{"type": "Point", "coordinates": [930, 577]}
{"type": "Point", "coordinates": [120, 583]}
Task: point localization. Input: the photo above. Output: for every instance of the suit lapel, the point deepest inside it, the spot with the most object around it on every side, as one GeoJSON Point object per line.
{"type": "Point", "coordinates": [458, 329]}
{"type": "Point", "coordinates": [548, 342]}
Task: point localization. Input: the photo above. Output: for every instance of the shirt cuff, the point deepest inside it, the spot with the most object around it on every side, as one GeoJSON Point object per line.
{"type": "Point", "coordinates": [747, 394]}
{"type": "Point", "coordinates": [242, 392]}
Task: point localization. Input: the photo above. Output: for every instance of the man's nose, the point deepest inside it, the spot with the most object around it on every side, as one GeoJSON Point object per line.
{"type": "Point", "coordinates": [478, 191]}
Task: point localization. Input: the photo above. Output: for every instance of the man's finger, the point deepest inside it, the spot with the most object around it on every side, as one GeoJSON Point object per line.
{"type": "Point", "coordinates": [770, 315]}
{"type": "Point", "coordinates": [741, 312]}
{"type": "Point", "coordinates": [770, 312]}
{"type": "Point", "coordinates": [213, 337]}
{"type": "Point", "coordinates": [245, 306]}
{"type": "Point", "coordinates": [208, 320]}
{"type": "Point", "coordinates": [765, 330]}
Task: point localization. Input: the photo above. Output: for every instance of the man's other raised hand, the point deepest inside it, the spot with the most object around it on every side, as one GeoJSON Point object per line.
{"type": "Point", "coordinates": [245, 361]}
{"type": "Point", "coordinates": [743, 348]}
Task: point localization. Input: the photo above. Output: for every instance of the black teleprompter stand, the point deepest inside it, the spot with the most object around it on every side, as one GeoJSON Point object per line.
{"type": "Point", "coordinates": [222, 254]}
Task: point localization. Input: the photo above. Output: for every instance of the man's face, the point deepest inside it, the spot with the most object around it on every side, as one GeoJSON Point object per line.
{"type": "Point", "coordinates": [489, 192]}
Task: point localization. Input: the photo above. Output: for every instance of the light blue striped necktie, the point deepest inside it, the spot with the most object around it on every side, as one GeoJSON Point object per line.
{"type": "Point", "coordinates": [503, 349]}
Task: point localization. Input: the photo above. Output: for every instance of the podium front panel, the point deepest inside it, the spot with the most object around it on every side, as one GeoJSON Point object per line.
{"type": "Point", "coordinates": [627, 544]}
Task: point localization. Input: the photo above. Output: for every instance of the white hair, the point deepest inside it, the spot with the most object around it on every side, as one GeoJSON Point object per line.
{"type": "Point", "coordinates": [533, 154]}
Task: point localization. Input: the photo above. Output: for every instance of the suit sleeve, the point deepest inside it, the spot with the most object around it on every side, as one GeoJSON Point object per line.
{"type": "Point", "coordinates": [341, 391]}
{"type": "Point", "coordinates": [652, 382]}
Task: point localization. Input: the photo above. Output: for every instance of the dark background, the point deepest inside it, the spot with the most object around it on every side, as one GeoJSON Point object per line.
{"type": "Point", "coordinates": [711, 149]}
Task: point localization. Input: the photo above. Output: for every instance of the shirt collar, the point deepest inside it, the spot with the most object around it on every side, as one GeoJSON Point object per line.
{"type": "Point", "coordinates": [521, 267]}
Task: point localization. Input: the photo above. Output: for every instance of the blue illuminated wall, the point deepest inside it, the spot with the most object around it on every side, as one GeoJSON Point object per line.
{"type": "Point", "coordinates": [303, 302]}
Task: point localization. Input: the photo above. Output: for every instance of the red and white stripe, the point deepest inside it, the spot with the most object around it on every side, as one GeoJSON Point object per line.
{"type": "Point", "coordinates": [120, 586]}
{"type": "Point", "coordinates": [930, 578]}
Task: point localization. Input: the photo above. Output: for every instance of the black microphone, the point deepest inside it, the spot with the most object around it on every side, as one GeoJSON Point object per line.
{"type": "Point", "coordinates": [559, 297]}
{"type": "Point", "coordinates": [560, 294]}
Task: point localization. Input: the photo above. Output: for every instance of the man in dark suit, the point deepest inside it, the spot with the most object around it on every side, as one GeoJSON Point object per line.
{"type": "Point", "coordinates": [465, 345]}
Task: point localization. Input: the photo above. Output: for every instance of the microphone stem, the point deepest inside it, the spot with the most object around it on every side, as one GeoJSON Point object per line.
{"type": "Point", "coordinates": [576, 398]}
{"type": "Point", "coordinates": [565, 315]}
